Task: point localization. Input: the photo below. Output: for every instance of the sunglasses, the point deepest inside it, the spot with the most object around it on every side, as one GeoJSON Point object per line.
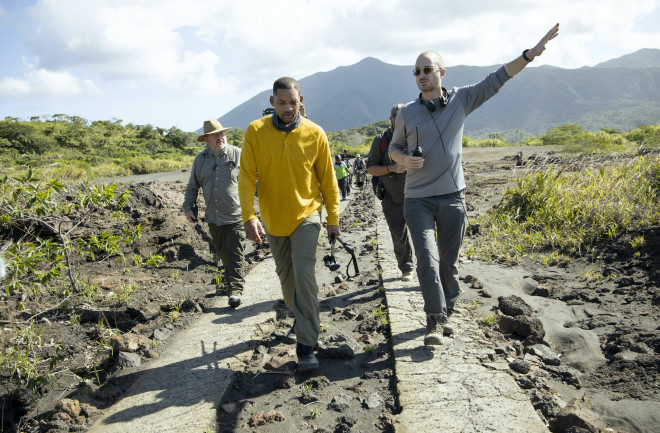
{"type": "Point", "coordinates": [426, 69]}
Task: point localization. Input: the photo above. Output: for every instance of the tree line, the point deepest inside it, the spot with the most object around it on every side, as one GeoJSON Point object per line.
{"type": "Point", "coordinates": [72, 147]}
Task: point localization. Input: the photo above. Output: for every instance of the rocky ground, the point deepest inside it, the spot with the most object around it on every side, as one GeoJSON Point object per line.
{"type": "Point", "coordinates": [611, 294]}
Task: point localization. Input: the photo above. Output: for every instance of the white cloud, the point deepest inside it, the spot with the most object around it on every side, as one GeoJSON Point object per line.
{"type": "Point", "coordinates": [229, 50]}
{"type": "Point", "coordinates": [43, 83]}
{"type": "Point", "coordinates": [140, 40]}
{"type": "Point", "coordinates": [124, 40]}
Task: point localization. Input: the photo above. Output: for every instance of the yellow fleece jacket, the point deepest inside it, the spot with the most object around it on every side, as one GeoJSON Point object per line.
{"type": "Point", "coordinates": [295, 175]}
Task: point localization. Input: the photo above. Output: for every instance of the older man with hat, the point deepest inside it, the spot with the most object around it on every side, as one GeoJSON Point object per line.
{"type": "Point", "coordinates": [215, 170]}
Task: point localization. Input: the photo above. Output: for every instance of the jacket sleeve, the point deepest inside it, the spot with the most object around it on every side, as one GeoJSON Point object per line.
{"type": "Point", "coordinates": [374, 157]}
{"type": "Point", "coordinates": [399, 140]}
{"type": "Point", "coordinates": [481, 92]}
{"type": "Point", "coordinates": [326, 175]}
{"type": "Point", "coordinates": [190, 197]}
{"type": "Point", "coordinates": [247, 177]}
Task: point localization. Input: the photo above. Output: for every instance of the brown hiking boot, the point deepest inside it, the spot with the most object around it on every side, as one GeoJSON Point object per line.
{"type": "Point", "coordinates": [434, 329]}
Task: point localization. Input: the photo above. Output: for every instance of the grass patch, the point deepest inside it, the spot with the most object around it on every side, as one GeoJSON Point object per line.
{"type": "Point", "coordinates": [555, 215]}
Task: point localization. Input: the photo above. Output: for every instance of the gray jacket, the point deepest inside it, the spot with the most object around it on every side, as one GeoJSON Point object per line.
{"type": "Point", "coordinates": [440, 135]}
{"type": "Point", "coordinates": [218, 178]}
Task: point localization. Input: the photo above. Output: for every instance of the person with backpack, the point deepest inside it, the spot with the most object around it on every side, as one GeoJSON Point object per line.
{"type": "Point", "coordinates": [390, 177]}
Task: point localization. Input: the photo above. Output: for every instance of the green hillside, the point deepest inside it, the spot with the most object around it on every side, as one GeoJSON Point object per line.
{"type": "Point", "coordinates": [70, 147]}
{"type": "Point", "coordinates": [73, 148]}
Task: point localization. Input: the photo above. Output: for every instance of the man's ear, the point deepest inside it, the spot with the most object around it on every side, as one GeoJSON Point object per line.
{"type": "Point", "coordinates": [301, 99]}
{"type": "Point", "coordinates": [443, 71]}
{"type": "Point", "coordinates": [272, 101]}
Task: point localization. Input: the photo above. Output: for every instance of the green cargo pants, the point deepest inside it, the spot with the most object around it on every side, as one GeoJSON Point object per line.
{"type": "Point", "coordinates": [295, 259]}
{"type": "Point", "coordinates": [229, 240]}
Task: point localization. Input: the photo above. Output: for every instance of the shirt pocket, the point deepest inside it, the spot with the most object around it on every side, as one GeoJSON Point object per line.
{"type": "Point", "coordinates": [231, 171]}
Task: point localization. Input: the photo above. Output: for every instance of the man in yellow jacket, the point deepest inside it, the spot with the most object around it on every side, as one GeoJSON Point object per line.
{"type": "Point", "coordinates": [290, 158]}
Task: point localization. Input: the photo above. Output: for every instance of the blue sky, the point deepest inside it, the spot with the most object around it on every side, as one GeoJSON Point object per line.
{"type": "Point", "coordinates": [177, 63]}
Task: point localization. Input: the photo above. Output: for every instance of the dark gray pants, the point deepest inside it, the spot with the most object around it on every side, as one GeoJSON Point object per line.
{"type": "Point", "coordinates": [396, 222]}
{"type": "Point", "coordinates": [343, 187]}
{"type": "Point", "coordinates": [437, 257]}
{"type": "Point", "coordinates": [229, 240]}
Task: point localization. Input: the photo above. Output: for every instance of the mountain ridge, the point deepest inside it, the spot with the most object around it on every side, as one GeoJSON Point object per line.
{"type": "Point", "coordinates": [619, 93]}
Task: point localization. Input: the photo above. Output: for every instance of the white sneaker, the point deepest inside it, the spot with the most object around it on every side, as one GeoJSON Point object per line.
{"type": "Point", "coordinates": [407, 276]}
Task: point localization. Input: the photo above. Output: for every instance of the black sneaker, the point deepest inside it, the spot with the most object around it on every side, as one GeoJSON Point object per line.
{"type": "Point", "coordinates": [306, 359]}
{"type": "Point", "coordinates": [234, 298]}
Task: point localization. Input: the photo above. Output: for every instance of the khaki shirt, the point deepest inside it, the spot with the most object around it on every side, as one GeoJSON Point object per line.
{"type": "Point", "coordinates": [218, 178]}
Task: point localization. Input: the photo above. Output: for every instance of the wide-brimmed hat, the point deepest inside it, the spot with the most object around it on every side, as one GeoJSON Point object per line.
{"type": "Point", "coordinates": [211, 127]}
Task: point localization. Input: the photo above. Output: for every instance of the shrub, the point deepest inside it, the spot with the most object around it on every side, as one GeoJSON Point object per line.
{"type": "Point", "coordinates": [645, 135]}
{"type": "Point", "coordinates": [571, 212]}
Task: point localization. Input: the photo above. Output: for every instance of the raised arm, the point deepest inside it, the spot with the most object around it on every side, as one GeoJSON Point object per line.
{"type": "Point", "coordinates": [518, 64]}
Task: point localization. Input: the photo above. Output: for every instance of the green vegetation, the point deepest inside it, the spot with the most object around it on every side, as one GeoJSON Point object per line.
{"type": "Point", "coordinates": [314, 412]}
{"type": "Point", "coordinates": [44, 245]}
{"type": "Point", "coordinates": [493, 140]}
{"type": "Point", "coordinates": [70, 147]}
{"type": "Point", "coordinates": [45, 240]}
{"type": "Point", "coordinates": [381, 315]}
{"type": "Point", "coordinates": [357, 140]}
{"type": "Point", "coordinates": [554, 215]}
{"type": "Point", "coordinates": [305, 388]}
{"type": "Point", "coordinates": [488, 321]}
{"type": "Point", "coordinates": [577, 140]}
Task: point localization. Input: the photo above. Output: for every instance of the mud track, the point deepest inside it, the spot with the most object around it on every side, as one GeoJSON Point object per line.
{"type": "Point", "coordinates": [606, 329]}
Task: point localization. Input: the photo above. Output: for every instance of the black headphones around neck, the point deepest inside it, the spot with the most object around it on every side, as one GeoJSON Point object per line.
{"type": "Point", "coordinates": [431, 105]}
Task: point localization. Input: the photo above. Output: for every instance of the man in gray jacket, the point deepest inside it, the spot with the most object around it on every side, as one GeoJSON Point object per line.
{"type": "Point", "coordinates": [215, 170]}
{"type": "Point", "coordinates": [427, 141]}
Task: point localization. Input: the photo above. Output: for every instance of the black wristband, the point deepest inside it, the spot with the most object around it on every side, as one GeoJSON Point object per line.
{"type": "Point", "coordinates": [524, 55]}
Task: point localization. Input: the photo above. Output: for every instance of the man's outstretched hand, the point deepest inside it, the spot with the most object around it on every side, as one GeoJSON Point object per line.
{"type": "Point", "coordinates": [540, 47]}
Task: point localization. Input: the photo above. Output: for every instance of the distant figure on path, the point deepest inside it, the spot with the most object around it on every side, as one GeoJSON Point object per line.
{"type": "Point", "coordinates": [427, 141]}
{"type": "Point", "coordinates": [342, 173]}
{"type": "Point", "coordinates": [290, 158]}
{"type": "Point", "coordinates": [215, 170]}
{"type": "Point", "coordinates": [393, 179]}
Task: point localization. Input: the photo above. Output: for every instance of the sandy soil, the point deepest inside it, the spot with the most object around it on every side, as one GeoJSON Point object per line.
{"type": "Point", "coordinates": [606, 328]}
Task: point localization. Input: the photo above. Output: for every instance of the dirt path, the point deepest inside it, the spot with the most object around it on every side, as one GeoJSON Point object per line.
{"type": "Point", "coordinates": [605, 329]}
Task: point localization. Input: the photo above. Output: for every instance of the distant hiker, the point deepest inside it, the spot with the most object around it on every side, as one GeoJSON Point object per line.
{"type": "Point", "coordinates": [341, 171]}
{"type": "Point", "coordinates": [215, 170]}
{"type": "Point", "coordinates": [359, 162]}
{"type": "Point", "coordinates": [392, 178]}
{"type": "Point", "coordinates": [359, 171]}
{"type": "Point", "coordinates": [290, 158]}
{"type": "Point", "coordinates": [427, 141]}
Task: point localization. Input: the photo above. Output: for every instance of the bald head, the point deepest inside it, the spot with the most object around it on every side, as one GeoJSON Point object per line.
{"type": "Point", "coordinates": [429, 71]}
{"type": "Point", "coordinates": [434, 57]}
